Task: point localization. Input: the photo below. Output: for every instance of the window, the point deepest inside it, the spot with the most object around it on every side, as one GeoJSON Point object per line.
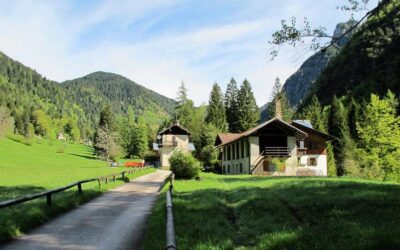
{"type": "Point", "coordinates": [225, 154]}
{"type": "Point", "coordinates": [242, 144]}
{"type": "Point", "coordinates": [247, 148]}
{"type": "Point", "coordinates": [241, 167]}
{"type": "Point", "coordinates": [237, 150]}
{"type": "Point", "coordinates": [312, 161]}
{"type": "Point", "coordinates": [233, 151]}
{"type": "Point", "coordinates": [312, 145]}
{"type": "Point", "coordinates": [229, 169]}
{"type": "Point", "coordinates": [229, 153]}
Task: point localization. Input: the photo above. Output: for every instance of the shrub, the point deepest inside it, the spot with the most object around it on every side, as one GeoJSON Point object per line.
{"type": "Point", "coordinates": [183, 165]}
{"type": "Point", "coordinates": [62, 148]}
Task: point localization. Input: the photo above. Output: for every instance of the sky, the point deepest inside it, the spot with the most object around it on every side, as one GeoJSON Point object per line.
{"type": "Point", "coordinates": [159, 43]}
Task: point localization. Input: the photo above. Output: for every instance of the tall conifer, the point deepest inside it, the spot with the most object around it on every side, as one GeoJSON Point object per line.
{"type": "Point", "coordinates": [249, 114]}
{"type": "Point", "coordinates": [215, 110]}
{"type": "Point", "coordinates": [232, 106]}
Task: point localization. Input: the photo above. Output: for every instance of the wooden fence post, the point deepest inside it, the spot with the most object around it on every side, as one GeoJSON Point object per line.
{"type": "Point", "coordinates": [48, 198]}
{"type": "Point", "coordinates": [79, 188]}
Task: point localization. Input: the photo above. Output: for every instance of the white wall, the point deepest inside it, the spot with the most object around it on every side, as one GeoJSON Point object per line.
{"type": "Point", "coordinates": [322, 164]}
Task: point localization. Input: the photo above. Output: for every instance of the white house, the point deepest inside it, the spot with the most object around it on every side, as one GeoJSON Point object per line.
{"type": "Point", "coordinates": [170, 139]}
{"type": "Point", "coordinates": [301, 148]}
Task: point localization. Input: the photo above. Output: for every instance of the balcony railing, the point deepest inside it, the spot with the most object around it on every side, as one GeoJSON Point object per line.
{"type": "Point", "coordinates": [168, 144]}
{"type": "Point", "coordinates": [277, 151]}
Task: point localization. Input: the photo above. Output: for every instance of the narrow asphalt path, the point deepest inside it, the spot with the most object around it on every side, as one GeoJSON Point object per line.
{"type": "Point", "coordinates": [115, 220]}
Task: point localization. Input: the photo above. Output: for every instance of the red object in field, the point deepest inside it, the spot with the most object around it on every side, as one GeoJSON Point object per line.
{"type": "Point", "coordinates": [134, 164]}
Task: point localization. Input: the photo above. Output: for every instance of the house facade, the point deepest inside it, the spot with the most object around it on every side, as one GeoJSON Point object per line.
{"type": "Point", "coordinates": [297, 147]}
{"type": "Point", "coordinates": [170, 139]}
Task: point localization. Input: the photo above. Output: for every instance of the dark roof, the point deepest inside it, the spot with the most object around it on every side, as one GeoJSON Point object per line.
{"type": "Point", "coordinates": [312, 130]}
{"type": "Point", "coordinates": [224, 137]}
{"type": "Point", "coordinates": [254, 130]}
{"type": "Point", "coordinates": [175, 129]}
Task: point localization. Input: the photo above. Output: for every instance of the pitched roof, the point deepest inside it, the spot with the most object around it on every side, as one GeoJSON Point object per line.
{"type": "Point", "coordinates": [253, 130]}
{"type": "Point", "coordinates": [225, 137]}
{"type": "Point", "coordinates": [175, 129]}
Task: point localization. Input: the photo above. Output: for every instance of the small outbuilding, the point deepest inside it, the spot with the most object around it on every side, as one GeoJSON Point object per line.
{"type": "Point", "coordinates": [170, 139]}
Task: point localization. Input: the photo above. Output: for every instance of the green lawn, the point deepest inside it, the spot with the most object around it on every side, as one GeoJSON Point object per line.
{"type": "Point", "coordinates": [31, 169]}
{"type": "Point", "coordinates": [250, 212]}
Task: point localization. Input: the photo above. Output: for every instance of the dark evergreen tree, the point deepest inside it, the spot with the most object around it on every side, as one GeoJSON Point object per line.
{"type": "Point", "coordinates": [314, 113]}
{"type": "Point", "coordinates": [249, 114]}
{"type": "Point", "coordinates": [232, 106]}
{"type": "Point", "coordinates": [343, 148]}
{"type": "Point", "coordinates": [216, 111]}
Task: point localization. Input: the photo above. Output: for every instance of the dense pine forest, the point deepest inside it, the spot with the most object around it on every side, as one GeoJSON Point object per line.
{"type": "Point", "coordinates": [31, 105]}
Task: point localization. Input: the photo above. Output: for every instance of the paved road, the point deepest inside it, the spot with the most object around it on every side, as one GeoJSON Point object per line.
{"type": "Point", "coordinates": [115, 220]}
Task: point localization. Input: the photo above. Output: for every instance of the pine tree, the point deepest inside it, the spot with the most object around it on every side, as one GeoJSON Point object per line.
{"type": "Point", "coordinates": [232, 106]}
{"type": "Point", "coordinates": [216, 110]}
{"type": "Point", "coordinates": [107, 118]}
{"type": "Point", "coordinates": [314, 113]}
{"type": "Point", "coordinates": [354, 116]}
{"type": "Point", "coordinates": [182, 94]}
{"type": "Point", "coordinates": [249, 114]}
{"type": "Point", "coordinates": [106, 138]}
{"type": "Point", "coordinates": [344, 148]}
{"type": "Point", "coordinates": [278, 94]}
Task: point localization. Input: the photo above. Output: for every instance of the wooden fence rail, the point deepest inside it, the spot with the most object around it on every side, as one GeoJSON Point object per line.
{"type": "Point", "coordinates": [170, 228]}
{"type": "Point", "coordinates": [48, 193]}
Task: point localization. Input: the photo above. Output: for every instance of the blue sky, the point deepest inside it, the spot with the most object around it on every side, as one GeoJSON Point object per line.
{"type": "Point", "coordinates": [158, 43]}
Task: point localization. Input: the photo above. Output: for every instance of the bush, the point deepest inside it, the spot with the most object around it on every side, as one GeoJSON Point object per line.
{"type": "Point", "coordinates": [62, 148]}
{"type": "Point", "coordinates": [184, 165]}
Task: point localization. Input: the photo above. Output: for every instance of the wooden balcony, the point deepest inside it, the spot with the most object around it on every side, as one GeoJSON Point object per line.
{"type": "Point", "coordinates": [277, 151]}
{"type": "Point", "coordinates": [168, 144]}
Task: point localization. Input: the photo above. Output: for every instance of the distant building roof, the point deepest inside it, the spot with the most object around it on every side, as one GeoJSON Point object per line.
{"type": "Point", "coordinates": [191, 147]}
{"type": "Point", "coordinates": [313, 130]}
{"type": "Point", "coordinates": [305, 123]}
{"type": "Point", "coordinates": [175, 129]}
{"type": "Point", "coordinates": [225, 137]}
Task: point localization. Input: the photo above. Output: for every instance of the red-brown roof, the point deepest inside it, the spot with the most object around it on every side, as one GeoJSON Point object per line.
{"type": "Point", "coordinates": [225, 137]}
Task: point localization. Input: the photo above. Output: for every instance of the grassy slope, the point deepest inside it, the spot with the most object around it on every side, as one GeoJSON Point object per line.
{"type": "Point", "coordinates": [248, 212]}
{"type": "Point", "coordinates": [30, 169]}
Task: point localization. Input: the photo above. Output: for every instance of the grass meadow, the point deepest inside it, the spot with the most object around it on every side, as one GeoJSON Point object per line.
{"type": "Point", "coordinates": [251, 212]}
{"type": "Point", "coordinates": [43, 165]}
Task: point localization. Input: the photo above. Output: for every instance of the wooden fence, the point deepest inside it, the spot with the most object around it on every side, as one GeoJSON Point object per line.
{"type": "Point", "coordinates": [48, 194]}
{"type": "Point", "coordinates": [170, 228]}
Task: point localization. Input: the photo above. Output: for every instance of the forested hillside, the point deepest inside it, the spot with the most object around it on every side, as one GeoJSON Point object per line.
{"type": "Point", "coordinates": [356, 98]}
{"type": "Point", "coordinates": [34, 105]}
{"type": "Point", "coordinates": [298, 85]}
{"type": "Point", "coordinates": [32, 99]}
{"type": "Point", "coordinates": [94, 91]}
{"type": "Point", "coordinates": [369, 63]}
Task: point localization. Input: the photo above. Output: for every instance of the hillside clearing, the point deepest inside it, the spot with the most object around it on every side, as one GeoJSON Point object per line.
{"type": "Point", "coordinates": [230, 212]}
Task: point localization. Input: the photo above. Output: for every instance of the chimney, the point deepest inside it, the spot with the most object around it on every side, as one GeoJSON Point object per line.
{"type": "Point", "coordinates": [278, 108]}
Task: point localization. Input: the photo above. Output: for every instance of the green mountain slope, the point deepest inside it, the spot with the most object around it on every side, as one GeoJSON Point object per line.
{"type": "Point", "coordinates": [94, 91]}
{"type": "Point", "coordinates": [75, 104]}
{"type": "Point", "coordinates": [369, 63]}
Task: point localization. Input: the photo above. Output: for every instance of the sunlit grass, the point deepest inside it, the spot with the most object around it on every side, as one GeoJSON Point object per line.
{"type": "Point", "coordinates": [251, 212]}
{"type": "Point", "coordinates": [28, 169]}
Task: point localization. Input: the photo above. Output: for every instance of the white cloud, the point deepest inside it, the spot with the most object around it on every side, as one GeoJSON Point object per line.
{"type": "Point", "coordinates": [51, 37]}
